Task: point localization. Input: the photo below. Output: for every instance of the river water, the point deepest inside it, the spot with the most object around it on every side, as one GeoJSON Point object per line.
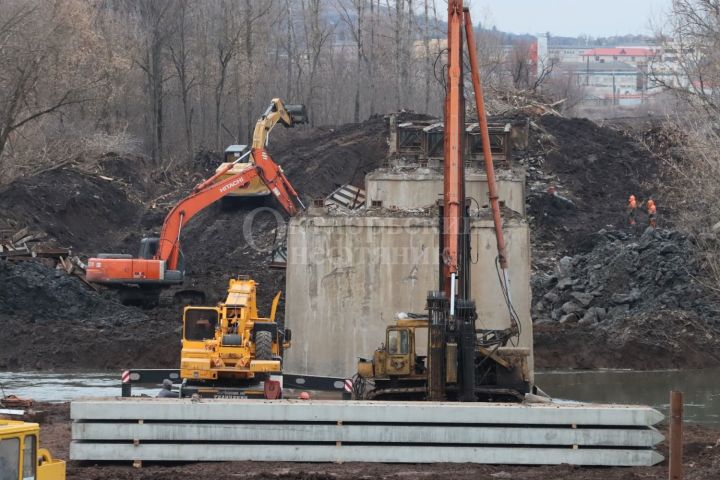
{"type": "Point", "coordinates": [701, 387]}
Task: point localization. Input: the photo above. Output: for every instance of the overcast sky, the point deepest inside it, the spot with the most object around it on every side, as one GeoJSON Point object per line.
{"type": "Point", "coordinates": [597, 18]}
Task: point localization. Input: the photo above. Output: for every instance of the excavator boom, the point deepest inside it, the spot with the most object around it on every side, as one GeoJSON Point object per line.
{"type": "Point", "coordinates": [160, 261]}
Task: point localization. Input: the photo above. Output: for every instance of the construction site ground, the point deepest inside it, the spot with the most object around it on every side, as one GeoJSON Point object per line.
{"type": "Point", "coordinates": [604, 295]}
{"type": "Point", "coordinates": [701, 462]}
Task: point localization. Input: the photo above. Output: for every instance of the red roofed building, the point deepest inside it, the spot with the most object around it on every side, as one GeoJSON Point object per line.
{"type": "Point", "coordinates": [631, 55]}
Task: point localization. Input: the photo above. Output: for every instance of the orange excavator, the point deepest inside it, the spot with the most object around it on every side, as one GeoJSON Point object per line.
{"type": "Point", "coordinates": [160, 264]}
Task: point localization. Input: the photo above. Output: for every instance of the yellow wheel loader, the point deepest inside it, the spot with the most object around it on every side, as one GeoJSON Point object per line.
{"type": "Point", "coordinates": [21, 457]}
{"type": "Point", "coordinates": [230, 351]}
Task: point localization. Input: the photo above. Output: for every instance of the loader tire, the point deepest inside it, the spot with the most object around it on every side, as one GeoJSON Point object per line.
{"type": "Point", "coordinates": [263, 345]}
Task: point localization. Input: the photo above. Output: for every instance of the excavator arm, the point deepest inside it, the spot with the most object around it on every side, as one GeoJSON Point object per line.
{"type": "Point", "coordinates": [207, 193]}
{"type": "Point", "coordinates": [212, 190]}
{"type": "Point", "coordinates": [287, 115]}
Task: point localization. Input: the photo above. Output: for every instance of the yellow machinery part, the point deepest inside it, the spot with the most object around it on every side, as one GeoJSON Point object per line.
{"type": "Point", "coordinates": [256, 187]}
{"type": "Point", "coordinates": [16, 441]}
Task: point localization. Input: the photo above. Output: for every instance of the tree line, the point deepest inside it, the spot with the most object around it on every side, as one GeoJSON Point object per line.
{"type": "Point", "coordinates": [168, 77]}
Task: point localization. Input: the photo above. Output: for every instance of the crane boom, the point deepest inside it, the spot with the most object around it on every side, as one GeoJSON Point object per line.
{"type": "Point", "coordinates": [453, 194]}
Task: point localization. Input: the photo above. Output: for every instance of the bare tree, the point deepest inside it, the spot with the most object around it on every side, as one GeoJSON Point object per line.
{"type": "Point", "coordinates": [317, 33]}
{"type": "Point", "coordinates": [355, 22]}
{"type": "Point", "coordinates": [525, 73]}
{"type": "Point", "coordinates": [226, 48]}
{"type": "Point", "coordinates": [690, 63]}
{"type": "Point", "coordinates": [156, 27]}
{"type": "Point", "coordinates": [180, 53]}
{"type": "Point", "coordinates": [40, 74]}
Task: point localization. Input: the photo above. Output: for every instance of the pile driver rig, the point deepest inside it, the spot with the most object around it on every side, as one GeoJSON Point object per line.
{"type": "Point", "coordinates": [463, 363]}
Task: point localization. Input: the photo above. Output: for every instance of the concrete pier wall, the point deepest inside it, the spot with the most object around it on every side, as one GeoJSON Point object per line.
{"type": "Point", "coordinates": [422, 187]}
{"type": "Point", "coordinates": [348, 277]}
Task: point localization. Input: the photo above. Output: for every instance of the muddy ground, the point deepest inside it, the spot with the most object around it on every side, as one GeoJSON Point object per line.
{"type": "Point", "coordinates": [108, 204]}
{"type": "Point", "coordinates": [701, 462]}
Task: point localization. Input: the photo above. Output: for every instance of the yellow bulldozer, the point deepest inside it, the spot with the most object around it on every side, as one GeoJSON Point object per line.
{"type": "Point", "coordinates": [228, 350]}
{"type": "Point", "coordinates": [21, 457]}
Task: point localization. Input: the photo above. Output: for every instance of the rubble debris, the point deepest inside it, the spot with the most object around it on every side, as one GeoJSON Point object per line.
{"type": "Point", "coordinates": [624, 275]}
{"type": "Point", "coordinates": [636, 296]}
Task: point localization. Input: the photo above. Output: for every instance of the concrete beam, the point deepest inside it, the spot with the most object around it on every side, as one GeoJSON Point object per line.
{"type": "Point", "coordinates": [362, 453]}
{"type": "Point", "coordinates": [299, 433]}
{"type": "Point", "coordinates": [371, 412]}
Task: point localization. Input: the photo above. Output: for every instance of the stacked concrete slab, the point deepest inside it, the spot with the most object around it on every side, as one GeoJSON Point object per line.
{"type": "Point", "coordinates": [335, 431]}
{"type": "Point", "coordinates": [350, 272]}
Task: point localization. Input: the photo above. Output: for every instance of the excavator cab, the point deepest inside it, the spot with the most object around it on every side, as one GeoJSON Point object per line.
{"type": "Point", "coordinates": [234, 152]}
{"type": "Point", "coordinates": [148, 247]}
{"type": "Point", "coordinates": [237, 155]}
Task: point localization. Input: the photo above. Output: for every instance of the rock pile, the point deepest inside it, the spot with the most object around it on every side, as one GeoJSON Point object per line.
{"type": "Point", "coordinates": [623, 275]}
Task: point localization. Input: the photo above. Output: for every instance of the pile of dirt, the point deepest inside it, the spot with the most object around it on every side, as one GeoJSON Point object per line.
{"type": "Point", "coordinates": [56, 296]}
{"type": "Point", "coordinates": [595, 167]}
{"type": "Point", "coordinates": [52, 320]}
{"type": "Point", "coordinates": [75, 208]}
{"type": "Point", "coordinates": [624, 275]}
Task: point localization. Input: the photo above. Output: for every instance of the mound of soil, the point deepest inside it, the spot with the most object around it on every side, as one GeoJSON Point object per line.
{"type": "Point", "coordinates": [624, 275]}
{"type": "Point", "coordinates": [74, 208]}
{"type": "Point", "coordinates": [52, 320]}
{"type": "Point", "coordinates": [598, 168]}
{"type": "Point", "coordinates": [56, 296]}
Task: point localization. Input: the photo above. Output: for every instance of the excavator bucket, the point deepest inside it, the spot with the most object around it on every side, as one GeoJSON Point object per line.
{"type": "Point", "coordinates": [298, 113]}
{"type": "Point", "coordinates": [279, 258]}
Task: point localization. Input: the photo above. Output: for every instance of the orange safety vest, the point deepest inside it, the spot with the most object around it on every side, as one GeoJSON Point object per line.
{"type": "Point", "coordinates": [651, 207]}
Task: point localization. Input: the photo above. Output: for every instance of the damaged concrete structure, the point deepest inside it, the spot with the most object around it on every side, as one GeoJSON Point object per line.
{"type": "Point", "coordinates": [351, 272]}
{"type": "Point", "coordinates": [412, 188]}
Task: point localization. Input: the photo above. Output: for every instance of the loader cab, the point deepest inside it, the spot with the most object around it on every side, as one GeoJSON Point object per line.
{"type": "Point", "coordinates": [21, 458]}
{"type": "Point", "coordinates": [200, 323]}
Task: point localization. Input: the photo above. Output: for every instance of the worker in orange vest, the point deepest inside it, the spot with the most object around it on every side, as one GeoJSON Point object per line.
{"type": "Point", "coordinates": [652, 213]}
{"type": "Point", "coordinates": [632, 206]}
